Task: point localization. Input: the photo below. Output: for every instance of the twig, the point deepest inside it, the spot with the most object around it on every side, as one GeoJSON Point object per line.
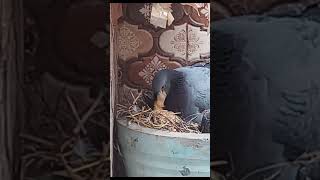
{"type": "Point", "coordinates": [231, 162]}
{"type": "Point", "coordinates": [88, 113]}
{"type": "Point", "coordinates": [96, 174]}
{"type": "Point", "coordinates": [44, 155]}
{"type": "Point", "coordinates": [60, 128]}
{"type": "Point", "coordinates": [66, 143]}
{"type": "Point", "coordinates": [88, 165]}
{"type": "Point", "coordinates": [132, 95]}
{"type": "Point", "coordinates": [75, 112]}
{"type": "Point", "coordinates": [36, 139]}
{"type": "Point", "coordinates": [274, 175]}
{"type": "Point", "coordinates": [98, 123]}
{"type": "Point", "coordinates": [135, 99]}
{"type": "Point", "coordinates": [273, 166]}
{"type": "Point", "coordinates": [70, 170]}
{"type": "Point", "coordinates": [218, 163]}
{"type": "Point", "coordinates": [84, 167]}
{"type": "Point", "coordinates": [310, 158]}
{"type": "Point", "coordinates": [29, 162]}
{"type": "Point", "coordinates": [146, 117]}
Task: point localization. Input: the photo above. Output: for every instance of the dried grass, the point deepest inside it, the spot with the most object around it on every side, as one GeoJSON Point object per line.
{"type": "Point", "coordinates": [140, 113]}
{"type": "Point", "coordinates": [56, 153]}
{"type": "Point", "coordinates": [306, 159]}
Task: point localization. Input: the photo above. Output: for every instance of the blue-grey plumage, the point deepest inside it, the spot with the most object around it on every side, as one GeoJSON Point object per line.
{"type": "Point", "coordinates": [267, 91]}
{"type": "Point", "coordinates": [187, 90]}
{"type": "Point", "coordinates": [198, 81]}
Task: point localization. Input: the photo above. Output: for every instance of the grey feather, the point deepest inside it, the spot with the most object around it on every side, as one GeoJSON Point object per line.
{"type": "Point", "coordinates": [187, 88]}
{"type": "Point", "coordinates": [198, 80]}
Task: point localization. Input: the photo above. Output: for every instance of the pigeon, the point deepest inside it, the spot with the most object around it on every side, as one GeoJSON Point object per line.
{"type": "Point", "coordinates": [267, 73]}
{"type": "Point", "coordinates": [185, 90]}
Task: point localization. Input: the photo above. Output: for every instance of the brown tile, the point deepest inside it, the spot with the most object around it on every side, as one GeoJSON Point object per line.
{"type": "Point", "coordinates": [174, 41]}
{"type": "Point", "coordinates": [199, 15]}
{"type": "Point", "coordinates": [133, 41]}
{"type": "Point", "coordinates": [198, 43]}
{"type": "Point", "coordinates": [138, 13]}
{"type": "Point", "coordinates": [141, 73]}
{"type": "Point", "coordinates": [188, 48]}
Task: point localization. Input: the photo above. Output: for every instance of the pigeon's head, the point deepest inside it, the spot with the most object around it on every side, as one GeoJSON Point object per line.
{"type": "Point", "coordinates": [161, 83]}
{"type": "Point", "coordinates": [164, 82]}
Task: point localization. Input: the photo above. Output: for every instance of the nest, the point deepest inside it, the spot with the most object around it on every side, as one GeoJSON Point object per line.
{"type": "Point", "coordinates": [63, 141]}
{"type": "Point", "coordinates": [137, 111]}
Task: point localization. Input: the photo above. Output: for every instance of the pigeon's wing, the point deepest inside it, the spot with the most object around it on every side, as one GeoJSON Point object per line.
{"type": "Point", "coordinates": [179, 98]}
{"type": "Point", "coordinates": [297, 128]}
{"type": "Point", "coordinates": [297, 123]}
{"type": "Point", "coordinates": [198, 83]}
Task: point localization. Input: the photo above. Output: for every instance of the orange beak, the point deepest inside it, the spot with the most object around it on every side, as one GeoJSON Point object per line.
{"type": "Point", "coordinates": [159, 103]}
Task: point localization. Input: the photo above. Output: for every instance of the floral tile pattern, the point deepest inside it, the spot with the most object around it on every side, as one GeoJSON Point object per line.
{"type": "Point", "coordinates": [141, 73]}
{"type": "Point", "coordinates": [150, 69]}
{"type": "Point", "coordinates": [174, 41]}
{"type": "Point", "coordinates": [127, 41]}
{"type": "Point", "coordinates": [187, 44]}
{"type": "Point", "coordinates": [182, 43]}
{"type": "Point", "coordinates": [198, 43]}
{"type": "Point", "coordinates": [179, 42]}
{"type": "Point", "coordinates": [130, 40]}
{"type": "Point", "coordinates": [146, 11]}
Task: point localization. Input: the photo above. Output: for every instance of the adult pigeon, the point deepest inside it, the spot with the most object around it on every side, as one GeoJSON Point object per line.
{"type": "Point", "coordinates": [185, 90]}
{"type": "Point", "coordinates": [267, 73]}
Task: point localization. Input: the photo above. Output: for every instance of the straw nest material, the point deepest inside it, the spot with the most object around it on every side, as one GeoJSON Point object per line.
{"type": "Point", "coordinates": [61, 143]}
{"type": "Point", "coordinates": [140, 113]}
{"type": "Point", "coordinates": [307, 159]}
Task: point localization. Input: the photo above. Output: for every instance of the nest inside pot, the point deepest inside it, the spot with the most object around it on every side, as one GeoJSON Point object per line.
{"type": "Point", "coordinates": [137, 111]}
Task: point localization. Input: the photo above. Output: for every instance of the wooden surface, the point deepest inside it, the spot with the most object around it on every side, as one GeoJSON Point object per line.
{"type": "Point", "coordinates": [10, 72]}
{"type": "Point", "coordinates": [114, 14]}
{"type": "Point", "coordinates": [117, 166]}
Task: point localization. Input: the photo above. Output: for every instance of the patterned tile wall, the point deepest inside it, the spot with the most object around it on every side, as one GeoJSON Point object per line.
{"type": "Point", "coordinates": [144, 49]}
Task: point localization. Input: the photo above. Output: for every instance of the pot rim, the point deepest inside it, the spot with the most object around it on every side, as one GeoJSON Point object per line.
{"type": "Point", "coordinates": [156, 132]}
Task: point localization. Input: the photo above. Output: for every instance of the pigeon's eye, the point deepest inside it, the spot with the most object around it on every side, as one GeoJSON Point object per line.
{"type": "Point", "coordinates": [163, 87]}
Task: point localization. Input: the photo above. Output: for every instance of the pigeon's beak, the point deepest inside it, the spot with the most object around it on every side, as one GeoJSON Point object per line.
{"type": "Point", "coordinates": [159, 100]}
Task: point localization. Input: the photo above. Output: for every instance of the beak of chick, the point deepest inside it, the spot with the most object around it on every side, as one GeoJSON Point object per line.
{"type": "Point", "coordinates": [159, 102]}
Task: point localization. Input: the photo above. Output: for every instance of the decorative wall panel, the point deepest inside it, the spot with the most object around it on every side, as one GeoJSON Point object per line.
{"type": "Point", "coordinates": [175, 41]}
{"type": "Point", "coordinates": [133, 41]}
{"type": "Point", "coordinates": [186, 42]}
{"type": "Point", "coordinates": [198, 43]}
{"type": "Point", "coordinates": [143, 49]}
{"type": "Point", "coordinates": [140, 73]}
{"type": "Point", "coordinates": [199, 15]}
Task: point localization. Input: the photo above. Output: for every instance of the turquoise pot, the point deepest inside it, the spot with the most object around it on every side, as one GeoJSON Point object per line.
{"type": "Point", "coordinates": [155, 153]}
